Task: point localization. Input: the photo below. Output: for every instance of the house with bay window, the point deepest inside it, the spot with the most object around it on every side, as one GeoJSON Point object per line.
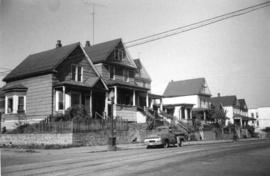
{"type": "Point", "coordinates": [102, 77]}
{"type": "Point", "coordinates": [49, 82]}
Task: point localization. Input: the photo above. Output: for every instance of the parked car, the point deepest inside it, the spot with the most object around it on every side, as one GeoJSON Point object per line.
{"type": "Point", "coordinates": [165, 136]}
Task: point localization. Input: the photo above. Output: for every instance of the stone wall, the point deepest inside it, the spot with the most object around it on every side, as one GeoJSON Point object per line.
{"type": "Point", "coordinates": [37, 139]}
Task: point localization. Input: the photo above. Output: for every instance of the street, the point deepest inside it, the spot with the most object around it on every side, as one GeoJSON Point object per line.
{"type": "Point", "coordinates": [241, 158]}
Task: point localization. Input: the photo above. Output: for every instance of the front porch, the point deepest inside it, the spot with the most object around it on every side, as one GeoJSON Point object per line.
{"type": "Point", "coordinates": [125, 101]}
{"type": "Point", "coordinates": [68, 96]}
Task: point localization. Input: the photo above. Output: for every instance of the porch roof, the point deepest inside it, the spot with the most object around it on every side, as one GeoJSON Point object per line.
{"type": "Point", "coordinates": [89, 84]}
{"type": "Point", "coordinates": [124, 84]}
{"type": "Point", "coordinates": [238, 116]}
{"type": "Point", "coordinates": [180, 104]}
{"type": "Point", "coordinates": [155, 96]}
{"type": "Point", "coordinates": [200, 109]}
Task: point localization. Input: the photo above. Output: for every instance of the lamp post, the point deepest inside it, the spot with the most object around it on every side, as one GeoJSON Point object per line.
{"type": "Point", "coordinates": [112, 138]}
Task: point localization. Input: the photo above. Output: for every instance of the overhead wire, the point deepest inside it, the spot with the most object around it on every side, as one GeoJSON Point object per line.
{"type": "Point", "coordinates": [195, 25]}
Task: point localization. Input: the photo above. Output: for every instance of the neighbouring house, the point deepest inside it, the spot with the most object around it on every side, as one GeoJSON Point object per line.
{"type": "Point", "coordinates": [187, 99]}
{"type": "Point", "coordinates": [236, 109]}
{"type": "Point", "coordinates": [262, 116]}
{"type": "Point", "coordinates": [127, 79]}
{"type": "Point", "coordinates": [49, 82]}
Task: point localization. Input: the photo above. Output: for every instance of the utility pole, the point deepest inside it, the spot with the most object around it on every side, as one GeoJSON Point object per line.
{"type": "Point", "coordinates": [93, 13]}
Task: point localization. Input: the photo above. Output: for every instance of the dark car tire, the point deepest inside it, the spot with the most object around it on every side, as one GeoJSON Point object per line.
{"type": "Point", "coordinates": [166, 144]}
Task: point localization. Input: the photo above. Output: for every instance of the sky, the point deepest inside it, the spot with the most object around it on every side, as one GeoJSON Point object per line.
{"type": "Point", "coordinates": [233, 55]}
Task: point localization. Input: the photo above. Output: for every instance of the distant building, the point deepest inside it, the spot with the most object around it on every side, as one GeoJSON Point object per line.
{"type": "Point", "coordinates": [187, 99]}
{"type": "Point", "coordinates": [236, 109]}
{"type": "Point", "coordinates": [262, 116]}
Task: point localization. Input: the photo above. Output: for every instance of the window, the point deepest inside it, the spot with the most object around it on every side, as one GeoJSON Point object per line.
{"type": "Point", "coordinates": [10, 105]}
{"type": "Point", "coordinates": [77, 73]}
{"type": "Point", "coordinates": [252, 114]}
{"type": "Point", "coordinates": [119, 54]}
{"type": "Point", "coordinates": [126, 75]}
{"type": "Point", "coordinates": [73, 72]}
{"type": "Point", "coordinates": [80, 73]}
{"type": "Point", "coordinates": [21, 104]}
{"type": "Point", "coordinates": [59, 100]}
{"type": "Point", "coordinates": [112, 72]}
{"type": "Point", "coordinates": [15, 104]}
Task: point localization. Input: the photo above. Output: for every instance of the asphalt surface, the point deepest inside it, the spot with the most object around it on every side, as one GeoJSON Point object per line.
{"type": "Point", "coordinates": [241, 158]}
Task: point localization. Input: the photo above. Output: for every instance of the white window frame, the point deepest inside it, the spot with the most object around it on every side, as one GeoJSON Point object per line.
{"type": "Point", "coordinates": [57, 100]}
{"type": "Point", "coordinates": [15, 103]}
{"type": "Point", "coordinates": [76, 72]}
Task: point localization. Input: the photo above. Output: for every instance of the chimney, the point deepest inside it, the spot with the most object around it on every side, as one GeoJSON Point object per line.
{"type": "Point", "coordinates": [58, 44]}
{"type": "Point", "coordinates": [218, 94]}
{"type": "Point", "coordinates": [87, 43]}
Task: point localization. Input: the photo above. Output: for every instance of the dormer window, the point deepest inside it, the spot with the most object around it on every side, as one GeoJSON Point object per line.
{"type": "Point", "coordinates": [119, 54]}
{"type": "Point", "coordinates": [77, 73]}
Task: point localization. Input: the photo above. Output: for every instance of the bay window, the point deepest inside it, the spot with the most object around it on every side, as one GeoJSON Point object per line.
{"type": "Point", "coordinates": [15, 104]}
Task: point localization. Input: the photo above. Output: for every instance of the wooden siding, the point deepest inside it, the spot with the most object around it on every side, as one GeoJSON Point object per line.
{"type": "Point", "coordinates": [38, 95]}
{"type": "Point", "coordinates": [77, 58]}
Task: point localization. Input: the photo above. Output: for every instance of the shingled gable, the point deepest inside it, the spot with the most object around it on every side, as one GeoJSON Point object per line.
{"type": "Point", "coordinates": [101, 52]}
{"type": "Point", "coordinates": [143, 73]}
{"type": "Point", "coordinates": [185, 88]}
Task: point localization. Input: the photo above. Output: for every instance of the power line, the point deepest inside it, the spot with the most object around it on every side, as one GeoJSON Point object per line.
{"type": "Point", "coordinates": [196, 25]}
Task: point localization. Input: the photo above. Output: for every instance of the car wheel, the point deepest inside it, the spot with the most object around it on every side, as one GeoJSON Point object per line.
{"type": "Point", "coordinates": [166, 144]}
{"type": "Point", "coordinates": [148, 147]}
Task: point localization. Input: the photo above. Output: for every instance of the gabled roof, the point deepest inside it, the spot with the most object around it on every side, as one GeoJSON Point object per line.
{"type": "Point", "coordinates": [185, 87]}
{"type": "Point", "coordinates": [99, 53]}
{"type": "Point", "coordinates": [41, 63]}
{"type": "Point", "coordinates": [225, 100]}
{"type": "Point", "coordinates": [242, 104]}
{"type": "Point", "coordinates": [142, 71]}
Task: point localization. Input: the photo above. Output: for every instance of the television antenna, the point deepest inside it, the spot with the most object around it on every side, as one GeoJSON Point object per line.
{"type": "Point", "coordinates": [93, 13]}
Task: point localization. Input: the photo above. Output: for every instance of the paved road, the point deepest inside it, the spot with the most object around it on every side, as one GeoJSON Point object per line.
{"type": "Point", "coordinates": [242, 158]}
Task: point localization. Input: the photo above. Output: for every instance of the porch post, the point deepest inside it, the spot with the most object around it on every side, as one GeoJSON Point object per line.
{"type": "Point", "coordinates": [186, 114]}
{"type": "Point", "coordinates": [190, 117]}
{"type": "Point", "coordinates": [115, 101]}
{"type": "Point", "coordinates": [6, 104]}
{"type": "Point", "coordinates": [64, 97]}
{"type": "Point", "coordinates": [180, 113]}
{"type": "Point", "coordinates": [90, 104]}
{"type": "Point", "coordinates": [106, 104]}
{"type": "Point", "coordinates": [161, 105]}
{"type": "Point", "coordinates": [204, 115]}
{"type": "Point", "coordinates": [147, 100]}
{"type": "Point", "coordinates": [241, 122]}
{"type": "Point", "coordinates": [134, 98]}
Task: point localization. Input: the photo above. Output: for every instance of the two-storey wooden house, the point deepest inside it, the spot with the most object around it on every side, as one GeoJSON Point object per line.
{"type": "Point", "coordinates": [51, 81]}
{"type": "Point", "coordinates": [185, 99]}
{"type": "Point", "coordinates": [127, 79]}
